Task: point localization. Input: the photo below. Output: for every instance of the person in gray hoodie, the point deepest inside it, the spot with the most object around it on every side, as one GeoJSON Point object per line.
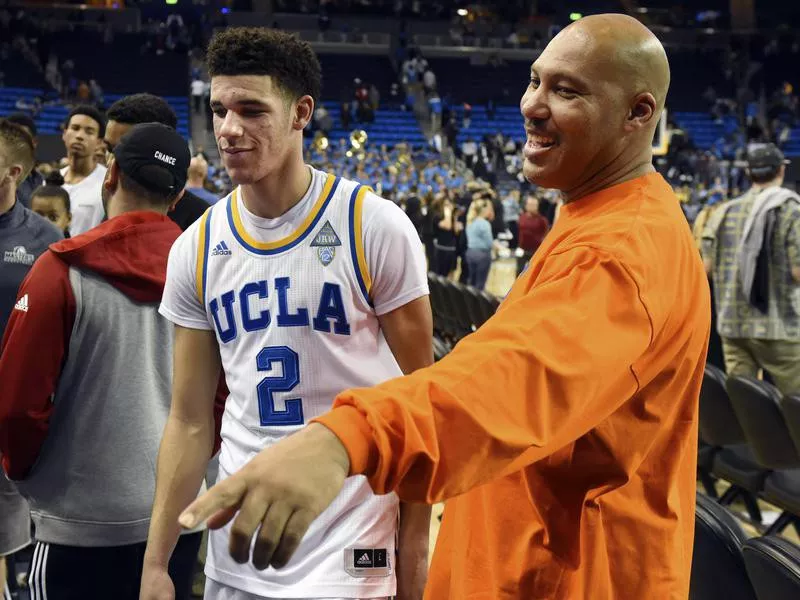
{"type": "Point", "coordinates": [86, 375]}
{"type": "Point", "coordinates": [23, 237]}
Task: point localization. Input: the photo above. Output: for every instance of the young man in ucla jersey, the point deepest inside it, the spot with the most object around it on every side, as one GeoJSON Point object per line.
{"type": "Point", "coordinates": [298, 285]}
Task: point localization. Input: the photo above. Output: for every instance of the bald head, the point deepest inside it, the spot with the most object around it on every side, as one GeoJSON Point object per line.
{"type": "Point", "coordinates": [632, 55]}
{"type": "Point", "coordinates": [595, 98]}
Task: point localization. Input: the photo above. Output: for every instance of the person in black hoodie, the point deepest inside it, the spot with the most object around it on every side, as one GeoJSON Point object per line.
{"type": "Point", "coordinates": [147, 108]}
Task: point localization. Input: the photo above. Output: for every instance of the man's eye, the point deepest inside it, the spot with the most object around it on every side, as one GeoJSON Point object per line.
{"type": "Point", "coordinates": [566, 92]}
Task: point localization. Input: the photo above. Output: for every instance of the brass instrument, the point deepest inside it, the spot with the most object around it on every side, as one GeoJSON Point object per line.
{"type": "Point", "coordinates": [320, 142]}
{"type": "Point", "coordinates": [358, 141]}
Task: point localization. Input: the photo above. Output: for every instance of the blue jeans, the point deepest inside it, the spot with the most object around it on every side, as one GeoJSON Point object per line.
{"type": "Point", "coordinates": [479, 261]}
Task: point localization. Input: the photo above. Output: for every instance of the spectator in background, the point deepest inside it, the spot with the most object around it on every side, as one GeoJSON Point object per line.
{"type": "Point", "coordinates": [511, 211]}
{"type": "Point", "coordinates": [479, 242]}
{"type": "Point", "coordinates": [34, 179]}
{"type": "Point", "coordinates": [198, 88]}
{"type": "Point", "coordinates": [51, 201]}
{"type": "Point", "coordinates": [445, 232]}
{"type": "Point", "coordinates": [532, 229]}
{"type": "Point", "coordinates": [435, 105]}
{"type": "Point", "coordinates": [195, 184]}
{"type": "Point", "coordinates": [429, 81]}
{"type": "Point", "coordinates": [147, 108]}
{"type": "Point", "coordinates": [96, 93]}
{"type": "Point", "coordinates": [322, 119]}
{"type": "Point", "coordinates": [23, 237]}
{"type": "Point", "coordinates": [83, 177]}
{"type": "Point", "coordinates": [756, 275]}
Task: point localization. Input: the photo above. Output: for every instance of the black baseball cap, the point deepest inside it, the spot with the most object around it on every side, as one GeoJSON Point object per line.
{"type": "Point", "coordinates": [763, 159]}
{"type": "Point", "coordinates": [154, 156]}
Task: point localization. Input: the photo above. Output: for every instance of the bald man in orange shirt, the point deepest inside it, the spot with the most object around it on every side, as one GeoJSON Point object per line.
{"type": "Point", "coordinates": [563, 433]}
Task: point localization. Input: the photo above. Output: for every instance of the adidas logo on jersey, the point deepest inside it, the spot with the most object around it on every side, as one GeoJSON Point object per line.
{"type": "Point", "coordinates": [22, 304]}
{"type": "Point", "coordinates": [221, 249]}
{"type": "Point", "coordinates": [365, 560]}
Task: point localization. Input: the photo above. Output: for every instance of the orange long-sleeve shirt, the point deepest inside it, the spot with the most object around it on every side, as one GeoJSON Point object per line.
{"type": "Point", "coordinates": [563, 433]}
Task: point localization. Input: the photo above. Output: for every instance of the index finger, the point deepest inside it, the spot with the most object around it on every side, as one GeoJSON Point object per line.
{"type": "Point", "coordinates": [222, 496]}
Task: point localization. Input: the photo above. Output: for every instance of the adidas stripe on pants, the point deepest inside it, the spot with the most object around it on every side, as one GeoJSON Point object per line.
{"type": "Point", "coordinates": [104, 573]}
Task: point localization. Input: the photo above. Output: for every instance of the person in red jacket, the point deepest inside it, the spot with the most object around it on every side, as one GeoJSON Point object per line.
{"type": "Point", "coordinates": [563, 433]}
{"type": "Point", "coordinates": [532, 229]}
{"type": "Point", "coordinates": [86, 378]}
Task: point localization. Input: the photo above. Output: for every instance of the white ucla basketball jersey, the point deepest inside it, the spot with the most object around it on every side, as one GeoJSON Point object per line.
{"type": "Point", "coordinates": [295, 327]}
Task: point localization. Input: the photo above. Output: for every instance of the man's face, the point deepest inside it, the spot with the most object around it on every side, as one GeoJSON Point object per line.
{"type": "Point", "coordinates": [81, 136]}
{"type": "Point", "coordinates": [252, 125]}
{"type": "Point", "coordinates": [574, 113]}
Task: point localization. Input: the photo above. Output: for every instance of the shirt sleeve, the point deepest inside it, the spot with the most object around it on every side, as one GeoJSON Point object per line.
{"type": "Point", "coordinates": [395, 255]}
{"type": "Point", "coordinates": [33, 350]}
{"type": "Point", "coordinates": [180, 302]}
{"type": "Point", "coordinates": [547, 368]}
{"type": "Point", "coordinates": [793, 237]}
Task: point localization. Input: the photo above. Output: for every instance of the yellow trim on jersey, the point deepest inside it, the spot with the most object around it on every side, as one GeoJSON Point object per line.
{"type": "Point", "coordinates": [237, 219]}
{"type": "Point", "coordinates": [358, 234]}
{"type": "Point", "coordinates": [202, 256]}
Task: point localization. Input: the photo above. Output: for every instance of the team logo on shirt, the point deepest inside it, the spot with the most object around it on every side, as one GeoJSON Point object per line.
{"type": "Point", "coordinates": [325, 242]}
{"type": "Point", "coordinates": [221, 249]}
{"type": "Point", "coordinates": [18, 256]}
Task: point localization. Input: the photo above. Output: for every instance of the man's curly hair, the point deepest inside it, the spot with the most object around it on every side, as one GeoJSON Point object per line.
{"type": "Point", "coordinates": [259, 51]}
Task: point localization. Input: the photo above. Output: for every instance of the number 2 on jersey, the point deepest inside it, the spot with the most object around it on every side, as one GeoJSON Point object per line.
{"type": "Point", "coordinates": [290, 362]}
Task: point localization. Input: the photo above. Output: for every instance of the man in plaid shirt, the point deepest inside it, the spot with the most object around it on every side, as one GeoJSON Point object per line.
{"type": "Point", "coordinates": [768, 336]}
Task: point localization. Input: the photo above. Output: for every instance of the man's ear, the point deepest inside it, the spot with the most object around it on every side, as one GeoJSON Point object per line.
{"type": "Point", "coordinates": [642, 111]}
{"type": "Point", "coordinates": [303, 112]}
{"type": "Point", "coordinates": [15, 172]}
{"type": "Point", "coordinates": [112, 177]}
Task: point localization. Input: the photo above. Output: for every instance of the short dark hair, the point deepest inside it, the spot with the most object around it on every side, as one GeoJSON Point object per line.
{"type": "Point", "coordinates": [92, 113]}
{"type": "Point", "coordinates": [259, 51]}
{"type": "Point", "coordinates": [52, 188]}
{"type": "Point", "coordinates": [142, 108]}
{"type": "Point", "coordinates": [25, 121]}
{"type": "Point", "coordinates": [155, 198]}
{"type": "Point", "coordinates": [764, 175]}
{"type": "Point", "coordinates": [16, 140]}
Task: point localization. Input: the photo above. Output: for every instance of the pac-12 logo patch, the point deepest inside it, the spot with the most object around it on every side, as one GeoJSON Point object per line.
{"type": "Point", "coordinates": [325, 242]}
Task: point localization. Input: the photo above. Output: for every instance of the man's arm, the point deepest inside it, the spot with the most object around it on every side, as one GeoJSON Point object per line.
{"type": "Point", "coordinates": [188, 439]}
{"type": "Point", "coordinates": [33, 350]}
{"type": "Point", "coordinates": [409, 332]}
{"type": "Point", "coordinates": [543, 371]}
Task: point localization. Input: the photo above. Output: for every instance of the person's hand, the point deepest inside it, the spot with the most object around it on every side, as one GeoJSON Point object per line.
{"type": "Point", "coordinates": [156, 583]}
{"type": "Point", "coordinates": [282, 490]}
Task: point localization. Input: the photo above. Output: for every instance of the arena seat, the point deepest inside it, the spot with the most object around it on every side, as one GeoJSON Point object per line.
{"type": "Point", "coordinates": [718, 570]}
{"type": "Point", "coordinates": [757, 406]}
{"type": "Point", "coordinates": [773, 565]}
{"type": "Point", "coordinates": [440, 348]}
{"type": "Point", "coordinates": [731, 458]}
